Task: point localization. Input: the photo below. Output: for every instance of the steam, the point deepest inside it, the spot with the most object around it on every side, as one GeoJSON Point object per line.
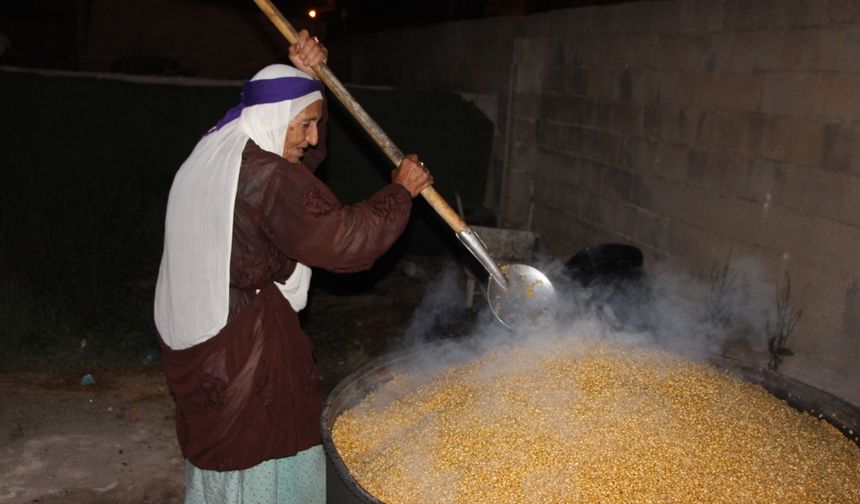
{"type": "Point", "coordinates": [725, 311]}
{"type": "Point", "coordinates": [700, 317]}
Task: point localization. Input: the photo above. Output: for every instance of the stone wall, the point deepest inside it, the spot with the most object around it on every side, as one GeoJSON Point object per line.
{"type": "Point", "coordinates": [698, 130]}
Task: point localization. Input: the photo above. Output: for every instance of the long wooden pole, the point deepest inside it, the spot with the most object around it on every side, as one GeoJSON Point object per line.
{"type": "Point", "coordinates": [337, 88]}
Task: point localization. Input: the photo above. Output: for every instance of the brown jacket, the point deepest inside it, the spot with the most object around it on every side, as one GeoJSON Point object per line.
{"type": "Point", "coordinates": [251, 393]}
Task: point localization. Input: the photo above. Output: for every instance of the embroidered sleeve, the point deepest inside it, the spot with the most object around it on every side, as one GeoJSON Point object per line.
{"type": "Point", "coordinates": [390, 207]}
{"type": "Point", "coordinates": [316, 204]}
{"type": "Point", "coordinates": [306, 221]}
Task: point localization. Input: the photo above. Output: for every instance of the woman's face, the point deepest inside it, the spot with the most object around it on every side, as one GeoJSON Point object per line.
{"type": "Point", "coordinates": [302, 132]}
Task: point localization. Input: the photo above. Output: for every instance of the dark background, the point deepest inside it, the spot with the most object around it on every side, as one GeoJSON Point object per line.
{"type": "Point", "coordinates": [87, 163]}
{"type": "Point", "coordinates": [62, 34]}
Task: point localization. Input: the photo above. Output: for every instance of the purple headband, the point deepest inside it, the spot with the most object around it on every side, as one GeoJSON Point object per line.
{"type": "Point", "coordinates": [263, 91]}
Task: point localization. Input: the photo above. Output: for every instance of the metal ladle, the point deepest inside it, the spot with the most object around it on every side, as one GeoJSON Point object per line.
{"type": "Point", "coordinates": [524, 296]}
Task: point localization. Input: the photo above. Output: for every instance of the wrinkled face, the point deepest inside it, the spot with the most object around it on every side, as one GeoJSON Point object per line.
{"type": "Point", "coordinates": [302, 132]}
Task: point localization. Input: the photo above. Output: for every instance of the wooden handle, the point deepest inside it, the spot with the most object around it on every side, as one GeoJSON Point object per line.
{"type": "Point", "coordinates": [339, 90]}
{"type": "Point", "coordinates": [443, 209]}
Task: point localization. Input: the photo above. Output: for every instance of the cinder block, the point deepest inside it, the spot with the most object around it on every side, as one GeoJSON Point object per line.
{"type": "Point", "coordinates": [694, 245]}
{"type": "Point", "coordinates": [634, 18]}
{"type": "Point", "coordinates": [625, 85]}
{"type": "Point", "coordinates": [647, 85]}
{"type": "Point", "coordinates": [568, 170]}
{"type": "Point", "coordinates": [798, 13]}
{"type": "Point", "coordinates": [816, 368]}
{"type": "Point", "coordinates": [726, 133]}
{"type": "Point", "coordinates": [652, 121]}
{"type": "Point", "coordinates": [700, 16]}
{"type": "Point", "coordinates": [642, 195]}
{"type": "Point", "coordinates": [793, 140]}
{"type": "Point", "coordinates": [850, 57]}
{"type": "Point", "coordinates": [830, 244]}
{"type": "Point", "coordinates": [598, 114]}
{"type": "Point", "coordinates": [521, 161]}
{"type": "Point", "coordinates": [617, 216]}
{"type": "Point", "coordinates": [640, 50]}
{"type": "Point", "coordinates": [574, 51]}
{"type": "Point", "coordinates": [525, 130]}
{"type": "Point", "coordinates": [695, 167]}
{"type": "Point", "coordinates": [668, 85]}
{"type": "Point", "coordinates": [577, 233]}
{"type": "Point", "coordinates": [526, 105]}
{"type": "Point", "coordinates": [664, 196]}
{"type": "Point", "coordinates": [674, 51]}
{"type": "Point", "coordinates": [843, 11]}
{"type": "Point", "coordinates": [596, 51]}
{"type": "Point", "coordinates": [557, 196]}
{"type": "Point", "coordinates": [745, 15]}
{"type": "Point", "coordinates": [695, 89]}
{"type": "Point", "coordinates": [562, 108]}
{"type": "Point", "coordinates": [637, 153]}
{"type": "Point", "coordinates": [789, 93]}
{"type": "Point", "coordinates": [705, 54]}
{"type": "Point", "coordinates": [672, 124]}
{"type": "Point", "coordinates": [499, 146]}
{"type": "Point", "coordinates": [602, 83]}
{"type": "Point", "coordinates": [553, 79]}
{"type": "Point", "coordinates": [590, 210]}
{"type": "Point", "coordinates": [617, 20]}
{"type": "Point", "coordinates": [581, 22]}
{"type": "Point", "coordinates": [616, 52]}
{"type": "Point", "coordinates": [722, 46]}
{"type": "Point", "coordinates": [812, 49]}
{"type": "Point", "coordinates": [530, 49]}
{"type": "Point", "coordinates": [625, 118]}
{"type": "Point", "coordinates": [834, 196]}
{"type": "Point", "coordinates": [670, 161]}
{"type": "Point", "coordinates": [838, 96]}
{"type": "Point", "coordinates": [651, 229]}
{"type": "Point", "coordinates": [587, 174]}
{"type": "Point", "coordinates": [688, 126]}
{"type": "Point", "coordinates": [555, 166]}
{"type": "Point", "coordinates": [701, 124]}
{"type": "Point", "coordinates": [755, 50]}
{"type": "Point", "coordinates": [576, 81]}
{"type": "Point", "coordinates": [738, 219]}
{"type": "Point", "coordinates": [576, 140]}
{"type": "Point", "coordinates": [745, 174]}
{"type": "Point", "coordinates": [797, 235]}
{"type": "Point", "coordinates": [759, 180]}
{"type": "Point", "coordinates": [603, 145]}
{"type": "Point", "coordinates": [839, 141]}
{"type": "Point", "coordinates": [515, 212]}
{"type": "Point", "coordinates": [528, 77]}
{"type": "Point", "coordinates": [738, 91]}
{"type": "Point", "coordinates": [711, 170]}
{"type": "Point", "coordinates": [617, 183]}
{"type": "Point", "coordinates": [752, 136]}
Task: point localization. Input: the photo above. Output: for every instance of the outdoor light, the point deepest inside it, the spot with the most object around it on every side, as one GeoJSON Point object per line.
{"type": "Point", "coordinates": [312, 13]}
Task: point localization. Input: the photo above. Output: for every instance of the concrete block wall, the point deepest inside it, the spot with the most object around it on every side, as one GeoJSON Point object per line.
{"type": "Point", "coordinates": [697, 130]}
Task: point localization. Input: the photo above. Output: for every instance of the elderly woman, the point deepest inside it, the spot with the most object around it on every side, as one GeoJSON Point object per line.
{"type": "Point", "coordinates": [246, 219]}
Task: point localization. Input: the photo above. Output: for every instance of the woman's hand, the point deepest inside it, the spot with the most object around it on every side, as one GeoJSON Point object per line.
{"type": "Point", "coordinates": [412, 175]}
{"type": "Point", "coordinates": [307, 53]}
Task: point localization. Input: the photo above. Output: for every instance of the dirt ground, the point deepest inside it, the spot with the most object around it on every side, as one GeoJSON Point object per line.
{"type": "Point", "coordinates": [113, 441]}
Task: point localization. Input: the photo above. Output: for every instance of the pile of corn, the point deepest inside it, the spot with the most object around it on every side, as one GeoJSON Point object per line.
{"type": "Point", "coordinates": [590, 422]}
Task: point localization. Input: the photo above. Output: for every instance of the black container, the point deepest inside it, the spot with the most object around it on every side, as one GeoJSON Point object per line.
{"type": "Point", "coordinates": [611, 280]}
{"type": "Point", "coordinates": [610, 263]}
{"type": "Point", "coordinates": [342, 488]}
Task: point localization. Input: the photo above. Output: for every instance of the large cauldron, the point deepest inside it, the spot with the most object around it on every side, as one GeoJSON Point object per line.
{"type": "Point", "coordinates": [342, 488]}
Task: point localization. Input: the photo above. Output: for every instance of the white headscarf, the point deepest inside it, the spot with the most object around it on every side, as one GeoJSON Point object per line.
{"type": "Point", "coordinates": [192, 296]}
